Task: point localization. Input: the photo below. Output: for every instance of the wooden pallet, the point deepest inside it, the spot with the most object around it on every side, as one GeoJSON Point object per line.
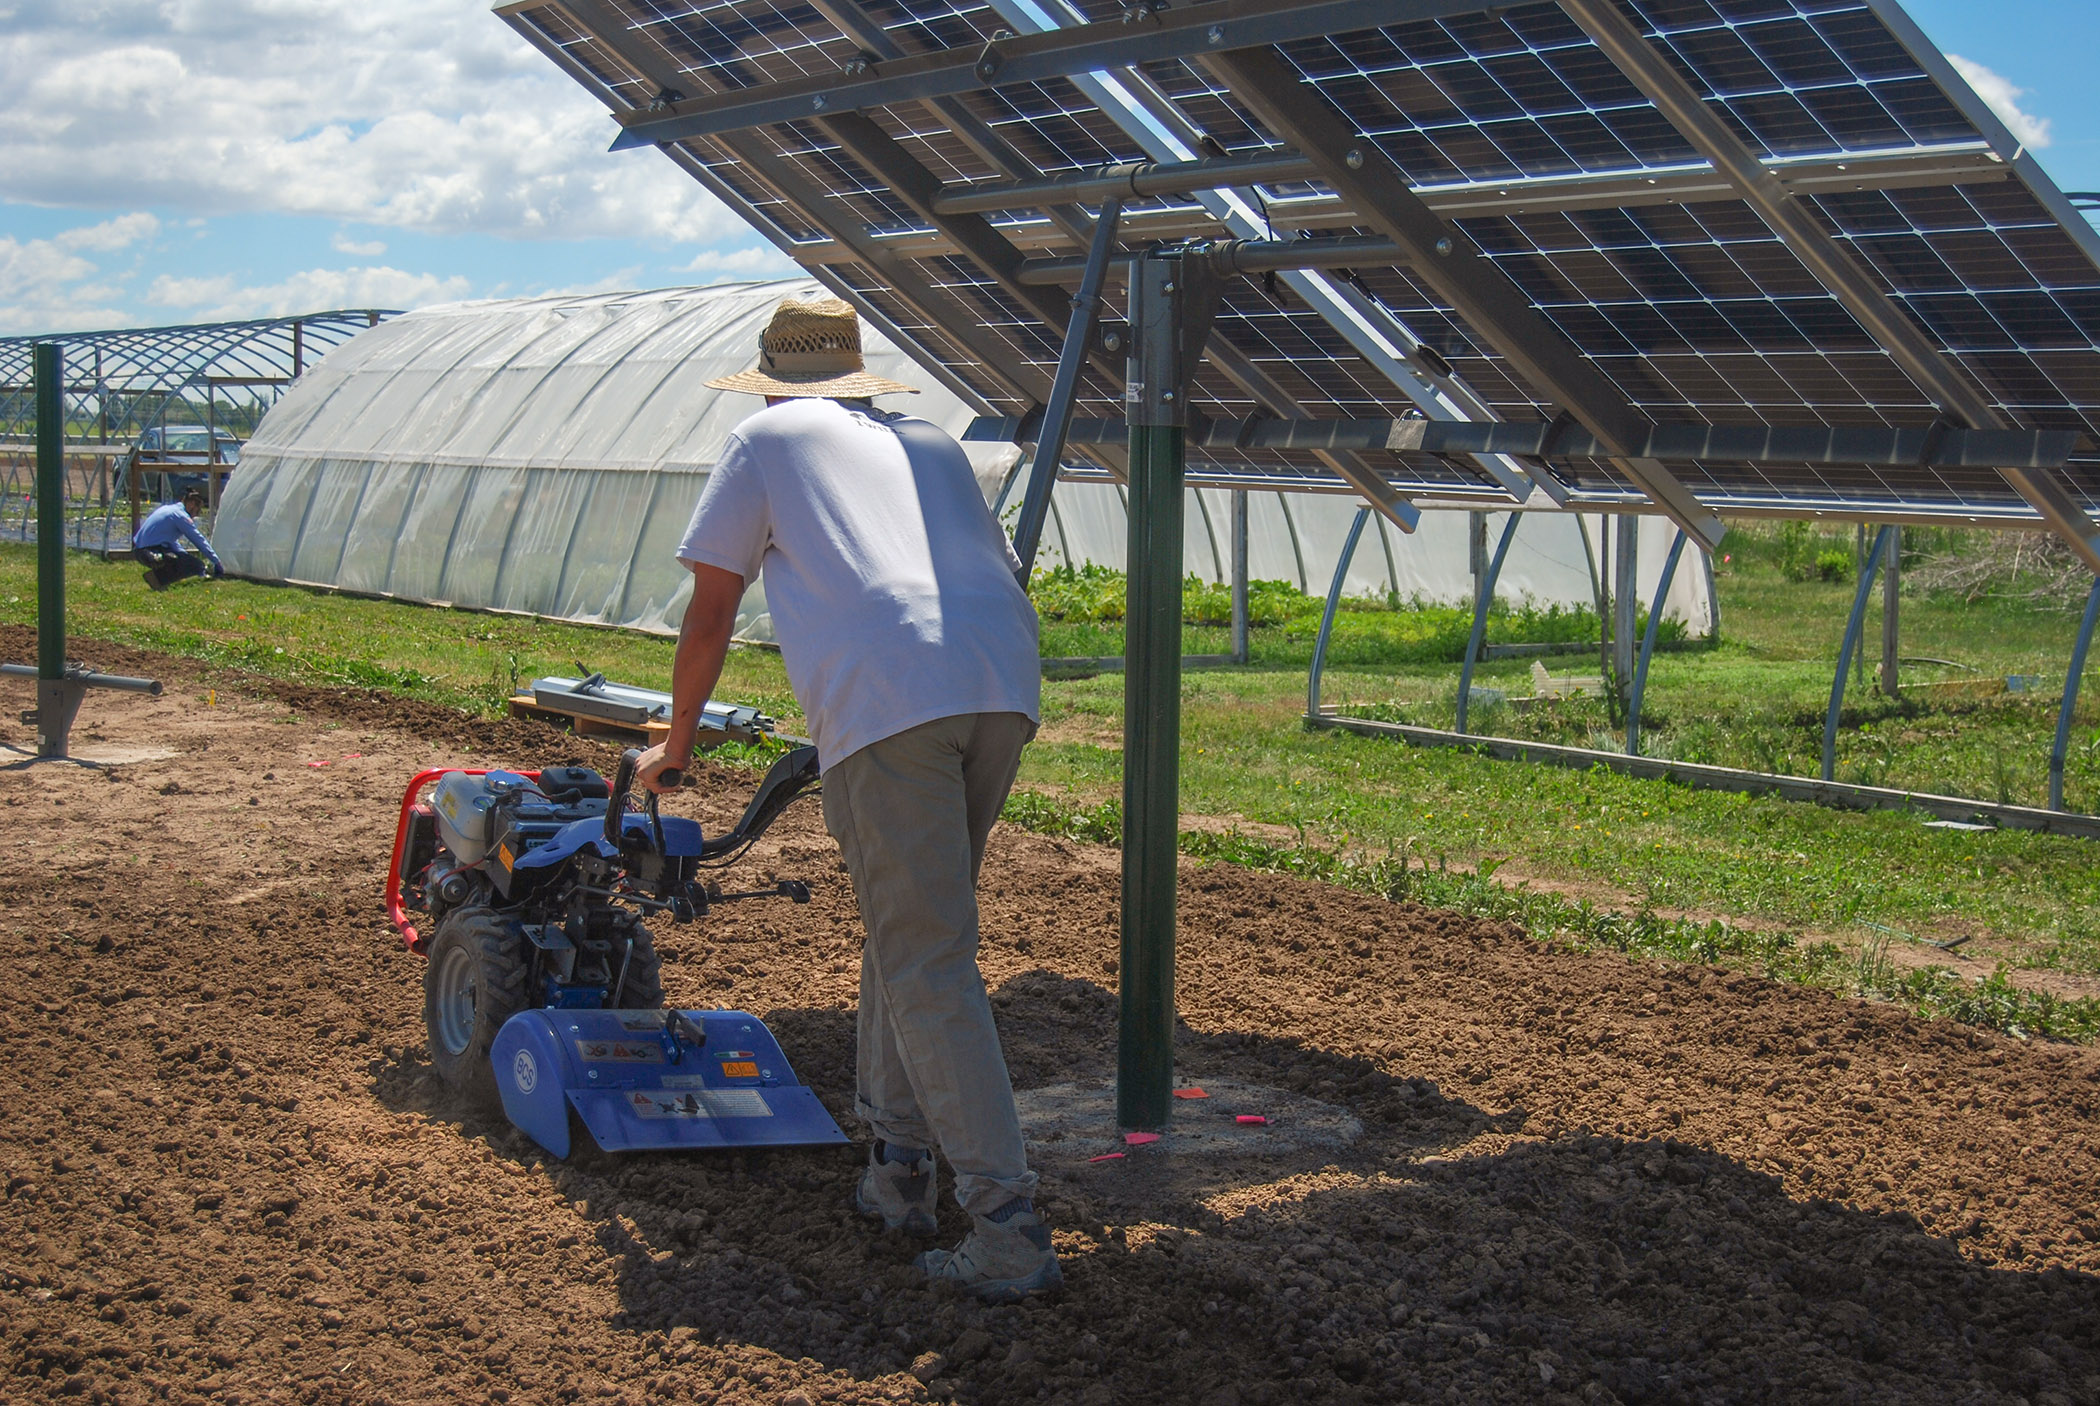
{"type": "Point", "coordinates": [648, 732]}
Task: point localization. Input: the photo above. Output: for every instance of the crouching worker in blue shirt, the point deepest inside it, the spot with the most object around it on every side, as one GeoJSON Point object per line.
{"type": "Point", "coordinates": [158, 543]}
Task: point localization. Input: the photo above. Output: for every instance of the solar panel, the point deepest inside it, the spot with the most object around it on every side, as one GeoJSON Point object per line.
{"type": "Point", "coordinates": [1779, 213]}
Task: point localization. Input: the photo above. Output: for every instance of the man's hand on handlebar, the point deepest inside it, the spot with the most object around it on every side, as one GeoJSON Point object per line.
{"type": "Point", "coordinates": [657, 771]}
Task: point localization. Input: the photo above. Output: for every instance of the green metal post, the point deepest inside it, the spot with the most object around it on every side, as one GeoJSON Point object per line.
{"type": "Point", "coordinates": [50, 515]}
{"type": "Point", "coordinates": [1151, 699]}
{"type": "Point", "coordinates": [50, 549]}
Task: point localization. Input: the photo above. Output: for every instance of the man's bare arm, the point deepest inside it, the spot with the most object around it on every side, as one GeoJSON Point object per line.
{"type": "Point", "coordinates": [703, 641]}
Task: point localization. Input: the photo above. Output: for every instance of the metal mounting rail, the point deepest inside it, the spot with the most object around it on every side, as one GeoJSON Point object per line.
{"type": "Point", "coordinates": [1749, 444]}
{"type": "Point", "coordinates": [1145, 35]}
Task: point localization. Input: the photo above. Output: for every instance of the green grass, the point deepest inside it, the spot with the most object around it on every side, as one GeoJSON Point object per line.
{"type": "Point", "coordinates": [465, 659]}
{"type": "Point", "coordinates": [1582, 925]}
{"type": "Point", "coordinates": [1771, 872]}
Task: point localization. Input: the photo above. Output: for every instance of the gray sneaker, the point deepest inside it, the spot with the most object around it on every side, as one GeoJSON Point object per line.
{"type": "Point", "coordinates": [1006, 1257]}
{"type": "Point", "coordinates": [899, 1189]}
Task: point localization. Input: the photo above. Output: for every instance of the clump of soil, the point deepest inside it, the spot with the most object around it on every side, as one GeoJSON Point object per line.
{"type": "Point", "coordinates": [232, 1177]}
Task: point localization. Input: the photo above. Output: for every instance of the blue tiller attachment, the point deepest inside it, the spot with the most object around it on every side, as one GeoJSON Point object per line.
{"type": "Point", "coordinates": [643, 1080]}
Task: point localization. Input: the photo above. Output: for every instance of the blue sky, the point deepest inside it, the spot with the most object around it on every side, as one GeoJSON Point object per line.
{"type": "Point", "coordinates": [168, 161]}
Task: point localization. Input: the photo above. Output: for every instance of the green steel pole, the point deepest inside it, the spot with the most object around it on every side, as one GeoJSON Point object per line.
{"type": "Point", "coordinates": [50, 514]}
{"type": "Point", "coordinates": [1151, 703]}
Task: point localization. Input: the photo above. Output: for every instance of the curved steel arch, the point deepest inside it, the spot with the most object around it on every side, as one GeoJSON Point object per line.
{"type": "Point", "coordinates": [128, 378]}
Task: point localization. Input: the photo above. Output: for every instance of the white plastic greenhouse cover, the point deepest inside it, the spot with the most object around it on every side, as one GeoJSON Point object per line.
{"type": "Point", "coordinates": [542, 456]}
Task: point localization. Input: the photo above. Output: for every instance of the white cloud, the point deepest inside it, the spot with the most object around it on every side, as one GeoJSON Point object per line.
{"type": "Point", "coordinates": [2002, 97]}
{"type": "Point", "coordinates": [759, 261]}
{"type": "Point", "coordinates": [360, 248]}
{"type": "Point", "coordinates": [428, 115]}
{"type": "Point", "coordinates": [222, 298]}
{"type": "Point", "coordinates": [51, 285]}
{"type": "Point", "coordinates": [112, 235]}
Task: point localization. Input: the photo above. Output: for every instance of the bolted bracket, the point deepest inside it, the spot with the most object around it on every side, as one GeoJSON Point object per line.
{"type": "Point", "coordinates": [57, 704]}
{"type": "Point", "coordinates": [1173, 302]}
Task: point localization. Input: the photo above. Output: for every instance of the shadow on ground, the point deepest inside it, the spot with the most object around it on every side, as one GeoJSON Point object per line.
{"type": "Point", "coordinates": [1402, 1268]}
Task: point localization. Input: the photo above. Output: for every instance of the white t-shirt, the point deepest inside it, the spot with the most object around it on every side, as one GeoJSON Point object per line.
{"type": "Point", "coordinates": [891, 586]}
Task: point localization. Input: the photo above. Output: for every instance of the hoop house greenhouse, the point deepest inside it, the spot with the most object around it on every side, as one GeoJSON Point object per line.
{"type": "Point", "coordinates": [542, 456]}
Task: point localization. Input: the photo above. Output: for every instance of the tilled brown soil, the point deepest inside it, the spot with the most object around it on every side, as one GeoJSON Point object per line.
{"type": "Point", "coordinates": [231, 1176]}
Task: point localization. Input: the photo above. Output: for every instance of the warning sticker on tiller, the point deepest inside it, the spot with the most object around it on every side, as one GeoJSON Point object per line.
{"type": "Point", "coordinates": [699, 1103]}
{"type": "Point", "coordinates": [621, 1051]}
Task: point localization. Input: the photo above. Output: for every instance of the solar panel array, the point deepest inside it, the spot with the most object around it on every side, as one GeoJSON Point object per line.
{"type": "Point", "coordinates": [1513, 123]}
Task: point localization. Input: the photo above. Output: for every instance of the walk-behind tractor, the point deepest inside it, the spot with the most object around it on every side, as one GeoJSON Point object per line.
{"type": "Point", "coordinates": [544, 987]}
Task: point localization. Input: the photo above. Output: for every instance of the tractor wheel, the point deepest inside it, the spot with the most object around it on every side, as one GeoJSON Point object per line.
{"type": "Point", "coordinates": [475, 982]}
{"type": "Point", "coordinates": [644, 987]}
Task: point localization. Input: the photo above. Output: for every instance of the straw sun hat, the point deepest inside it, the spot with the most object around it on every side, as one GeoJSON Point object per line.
{"type": "Point", "coordinates": [811, 350]}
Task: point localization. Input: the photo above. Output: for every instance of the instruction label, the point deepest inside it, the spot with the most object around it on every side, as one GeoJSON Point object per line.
{"type": "Point", "coordinates": [699, 1103]}
{"type": "Point", "coordinates": [621, 1051]}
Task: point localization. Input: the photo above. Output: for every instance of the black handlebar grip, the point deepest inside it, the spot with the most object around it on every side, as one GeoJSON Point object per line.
{"type": "Point", "coordinates": [671, 776]}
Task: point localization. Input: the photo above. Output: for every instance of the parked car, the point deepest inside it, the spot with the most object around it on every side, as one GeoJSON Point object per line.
{"type": "Point", "coordinates": [181, 444]}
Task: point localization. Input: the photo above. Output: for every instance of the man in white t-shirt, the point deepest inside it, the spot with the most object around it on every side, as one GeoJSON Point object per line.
{"type": "Point", "coordinates": [913, 652]}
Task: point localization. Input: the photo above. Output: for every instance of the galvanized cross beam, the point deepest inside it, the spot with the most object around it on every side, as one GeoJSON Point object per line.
{"type": "Point", "coordinates": [939, 308]}
{"type": "Point", "coordinates": [1742, 444]}
{"type": "Point", "coordinates": [1076, 224]}
{"type": "Point", "coordinates": [1954, 163]}
{"type": "Point", "coordinates": [1451, 264]}
{"type": "Point", "coordinates": [1803, 233]}
{"type": "Point", "coordinates": [1147, 36]}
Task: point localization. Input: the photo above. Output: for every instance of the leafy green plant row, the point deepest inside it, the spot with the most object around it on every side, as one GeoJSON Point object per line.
{"type": "Point", "coordinates": [1385, 628]}
{"type": "Point", "coordinates": [1992, 1002]}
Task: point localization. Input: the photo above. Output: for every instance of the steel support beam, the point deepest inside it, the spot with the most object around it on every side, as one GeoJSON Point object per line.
{"type": "Point", "coordinates": [1626, 590]}
{"type": "Point", "coordinates": [57, 698]}
{"type": "Point", "coordinates": [2061, 747]}
{"type": "Point", "coordinates": [1450, 263]}
{"type": "Point", "coordinates": [1353, 466]}
{"type": "Point", "coordinates": [49, 372]}
{"type": "Point", "coordinates": [1127, 180]}
{"type": "Point", "coordinates": [1159, 321]}
{"type": "Point", "coordinates": [1239, 576]}
{"type": "Point", "coordinates": [1798, 227]}
{"type": "Point", "coordinates": [1752, 444]}
{"type": "Point", "coordinates": [1147, 36]}
{"type": "Point", "coordinates": [996, 151]}
{"type": "Point", "coordinates": [1482, 599]}
{"type": "Point", "coordinates": [1057, 415]}
{"type": "Point", "coordinates": [908, 178]}
{"type": "Point", "coordinates": [1964, 163]}
{"type": "Point", "coordinates": [1136, 104]}
{"type": "Point", "coordinates": [1953, 164]}
{"type": "Point", "coordinates": [1853, 627]}
{"type": "Point", "coordinates": [1640, 669]}
{"type": "Point", "coordinates": [1892, 614]}
{"type": "Point", "coordinates": [939, 309]}
{"type": "Point", "coordinates": [1318, 670]}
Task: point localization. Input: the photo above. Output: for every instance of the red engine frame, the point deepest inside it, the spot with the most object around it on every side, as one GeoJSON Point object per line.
{"type": "Point", "coordinates": [422, 780]}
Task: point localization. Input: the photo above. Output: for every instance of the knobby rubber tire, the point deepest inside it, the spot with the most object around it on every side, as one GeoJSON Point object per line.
{"type": "Point", "coordinates": [644, 989]}
{"type": "Point", "coordinates": [495, 953]}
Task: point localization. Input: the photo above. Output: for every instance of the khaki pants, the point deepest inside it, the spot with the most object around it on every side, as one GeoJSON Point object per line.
{"type": "Point", "coordinates": [912, 814]}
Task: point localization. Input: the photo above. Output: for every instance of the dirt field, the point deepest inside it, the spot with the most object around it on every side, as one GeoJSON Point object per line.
{"type": "Point", "coordinates": [232, 1178]}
